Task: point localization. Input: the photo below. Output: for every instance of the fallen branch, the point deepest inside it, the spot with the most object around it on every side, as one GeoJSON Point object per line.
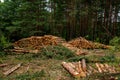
{"type": "Point", "coordinates": [12, 69]}
{"type": "Point", "coordinates": [3, 65]}
{"type": "Point", "coordinates": [22, 51]}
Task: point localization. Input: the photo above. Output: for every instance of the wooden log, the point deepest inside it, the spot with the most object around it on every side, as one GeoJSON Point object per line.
{"type": "Point", "coordinates": [89, 72]}
{"type": "Point", "coordinates": [80, 70]}
{"type": "Point", "coordinates": [108, 68]}
{"type": "Point", "coordinates": [12, 69]}
{"type": "Point", "coordinates": [113, 69]}
{"type": "Point", "coordinates": [73, 66]}
{"type": "Point", "coordinates": [83, 62]}
{"type": "Point", "coordinates": [22, 51]}
{"type": "Point", "coordinates": [3, 65]}
{"type": "Point", "coordinates": [70, 69]}
{"type": "Point", "coordinates": [102, 68]}
{"type": "Point", "coordinates": [98, 67]}
{"type": "Point", "coordinates": [92, 69]}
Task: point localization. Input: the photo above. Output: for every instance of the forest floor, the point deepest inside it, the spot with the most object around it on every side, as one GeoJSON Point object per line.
{"type": "Point", "coordinates": [34, 67]}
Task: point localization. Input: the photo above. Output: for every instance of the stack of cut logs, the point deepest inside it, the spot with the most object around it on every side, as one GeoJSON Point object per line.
{"type": "Point", "coordinates": [75, 49]}
{"type": "Point", "coordinates": [36, 42]}
{"type": "Point", "coordinates": [80, 69]}
{"type": "Point", "coordinates": [86, 44]}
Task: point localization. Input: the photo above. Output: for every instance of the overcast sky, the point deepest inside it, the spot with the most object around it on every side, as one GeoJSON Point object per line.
{"type": "Point", "coordinates": [1, 0]}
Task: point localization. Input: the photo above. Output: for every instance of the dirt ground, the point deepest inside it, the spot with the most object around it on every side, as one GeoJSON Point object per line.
{"type": "Point", "coordinates": [34, 67]}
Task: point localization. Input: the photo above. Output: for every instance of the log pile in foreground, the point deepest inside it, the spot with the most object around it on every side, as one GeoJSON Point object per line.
{"type": "Point", "coordinates": [81, 69]}
{"type": "Point", "coordinates": [86, 44]}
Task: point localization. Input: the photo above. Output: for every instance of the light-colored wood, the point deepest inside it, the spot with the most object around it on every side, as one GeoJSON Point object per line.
{"type": "Point", "coordinates": [22, 51]}
{"type": "Point", "coordinates": [102, 68]}
{"type": "Point", "coordinates": [83, 43]}
{"type": "Point", "coordinates": [12, 69]}
{"type": "Point", "coordinates": [70, 69]}
{"type": "Point", "coordinates": [98, 67]}
{"type": "Point", "coordinates": [111, 69]}
{"type": "Point", "coordinates": [108, 68]}
{"type": "Point", "coordinates": [73, 66]}
{"type": "Point", "coordinates": [3, 65]}
{"type": "Point", "coordinates": [80, 70]}
{"type": "Point", "coordinates": [83, 62]}
{"type": "Point", "coordinates": [37, 42]}
{"type": "Point", "coordinates": [92, 69]}
{"type": "Point", "coordinates": [75, 49]}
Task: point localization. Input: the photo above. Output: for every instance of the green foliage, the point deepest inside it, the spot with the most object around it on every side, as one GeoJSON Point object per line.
{"type": "Point", "coordinates": [28, 76]}
{"type": "Point", "coordinates": [115, 41]}
{"type": "Point", "coordinates": [109, 57]}
{"type": "Point", "coordinates": [57, 52]}
{"type": "Point", "coordinates": [76, 58]}
{"type": "Point", "coordinates": [3, 54]}
{"type": "Point", "coordinates": [69, 19]}
{"type": "Point", "coordinates": [4, 42]}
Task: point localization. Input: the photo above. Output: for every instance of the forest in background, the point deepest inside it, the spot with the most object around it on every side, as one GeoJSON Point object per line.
{"type": "Point", "coordinates": [41, 27]}
{"type": "Point", "coordinates": [96, 20]}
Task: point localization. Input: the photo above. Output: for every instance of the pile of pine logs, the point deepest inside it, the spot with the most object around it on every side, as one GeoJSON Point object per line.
{"type": "Point", "coordinates": [75, 49]}
{"type": "Point", "coordinates": [86, 44]}
{"type": "Point", "coordinates": [81, 69]}
{"type": "Point", "coordinates": [37, 42]}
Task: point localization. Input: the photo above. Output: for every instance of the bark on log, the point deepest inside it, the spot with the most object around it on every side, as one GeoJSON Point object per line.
{"type": "Point", "coordinates": [22, 51]}
{"type": "Point", "coordinates": [70, 69]}
{"type": "Point", "coordinates": [84, 65]}
{"type": "Point", "coordinates": [92, 69]}
{"type": "Point", "coordinates": [73, 66]}
{"type": "Point", "coordinates": [108, 68]}
{"type": "Point", "coordinates": [98, 67]}
{"type": "Point", "coordinates": [12, 69]}
{"type": "Point", "coordinates": [3, 65]}
{"type": "Point", "coordinates": [102, 67]}
{"type": "Point", "coordinates": [82, 73]}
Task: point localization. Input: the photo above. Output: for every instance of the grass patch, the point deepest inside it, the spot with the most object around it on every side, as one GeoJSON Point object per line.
{"type": "Point", "coordinates": [57, 52]}
{"type": "Point", "coordinates": [27, 76]}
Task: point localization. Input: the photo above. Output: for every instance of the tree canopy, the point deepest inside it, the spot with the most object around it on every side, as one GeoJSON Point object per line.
{"type": "Point", "coordinates": [97, 20]}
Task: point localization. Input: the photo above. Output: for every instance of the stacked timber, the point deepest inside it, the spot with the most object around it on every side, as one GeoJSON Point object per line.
{"type": "Point", "coordinates": [37, 42]}
{"type": "Point", "coordinates": [75, 49]}
{"type": "Point", "coordinates": [76, 69]}
{"type": "Point", "coordinates": [81, 69]}
{"type": "Point", "coordinates": [86, 44]}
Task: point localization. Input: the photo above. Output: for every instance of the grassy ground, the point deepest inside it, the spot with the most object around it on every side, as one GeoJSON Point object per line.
{"type": "Point", "coordinates": [37, 67]}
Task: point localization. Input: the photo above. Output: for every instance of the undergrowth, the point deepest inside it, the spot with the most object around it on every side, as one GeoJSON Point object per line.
{"type": "Point", "coordinates": [56, 52]}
